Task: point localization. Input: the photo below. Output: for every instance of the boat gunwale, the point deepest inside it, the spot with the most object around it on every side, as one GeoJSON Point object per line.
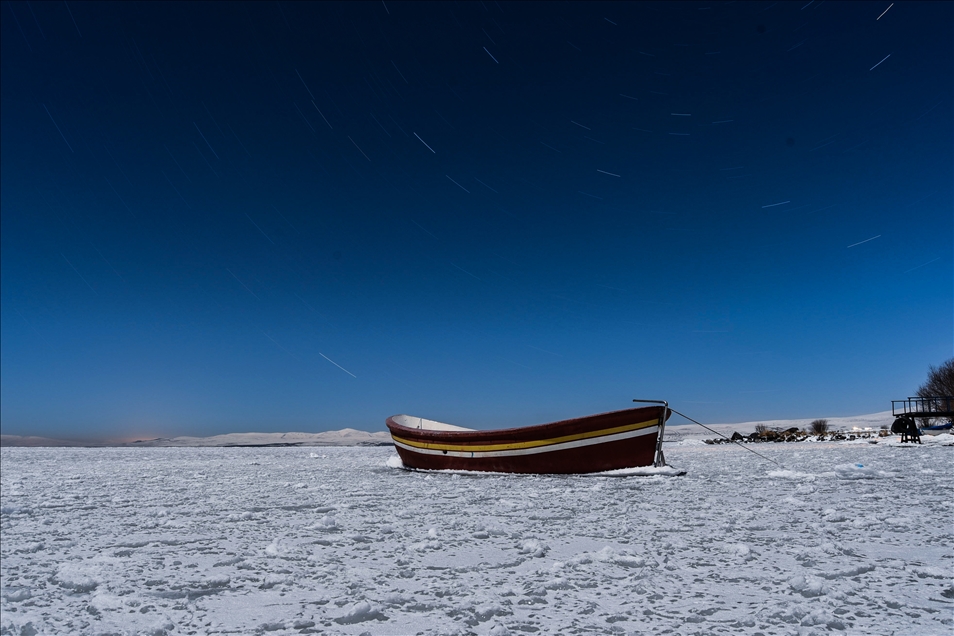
{"type": "Point", "coordinates": [521, 432]}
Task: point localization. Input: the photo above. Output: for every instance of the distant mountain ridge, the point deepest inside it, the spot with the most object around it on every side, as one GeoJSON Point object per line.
{"type": "Point", "coordinates": [675, 429]}
{"type": "Point", "coordinates": [344, 437]}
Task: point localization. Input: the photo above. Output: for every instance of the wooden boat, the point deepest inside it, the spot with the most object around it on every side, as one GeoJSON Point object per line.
{"type": "Point", "coordinates": [937, 429]}
{"type": "Point", "coordinates": [607, 441]}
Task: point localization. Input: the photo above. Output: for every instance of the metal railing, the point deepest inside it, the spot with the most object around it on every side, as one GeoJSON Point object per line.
{"type": "Point", "coordinates": [936, 406]}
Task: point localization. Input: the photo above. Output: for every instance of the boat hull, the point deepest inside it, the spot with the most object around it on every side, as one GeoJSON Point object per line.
{"type": "Point", "coordinates": [937, 429]}
{"type": "Point", "coordinates": [608, 441]}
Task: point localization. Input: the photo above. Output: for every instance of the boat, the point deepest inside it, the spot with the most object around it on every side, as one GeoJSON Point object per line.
{"type": "Point", "coordinates": [616, 440]}
{"type": "Point", "coordinates": [937, 429]}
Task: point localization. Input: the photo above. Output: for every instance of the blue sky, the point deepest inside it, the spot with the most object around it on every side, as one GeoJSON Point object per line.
{"type": "Point", "coordinates": [233, 217]}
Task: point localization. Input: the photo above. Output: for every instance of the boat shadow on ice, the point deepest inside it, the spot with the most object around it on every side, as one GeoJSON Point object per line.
{"type": "Point", "coordinates": [394, 463]}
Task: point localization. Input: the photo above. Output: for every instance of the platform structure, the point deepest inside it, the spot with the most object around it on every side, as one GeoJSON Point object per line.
{"type": "Point", "coordinates": [936, 406]}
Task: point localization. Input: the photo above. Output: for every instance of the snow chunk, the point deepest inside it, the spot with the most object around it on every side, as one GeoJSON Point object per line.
{"type": "Point", "coordinates": [821, 617]}
{"type": "Point", "coordinates": [214, 581]}
{"type": "Point", "coordinates": [929, 572]}
{"type": "Point", "coordinates": [103, 602]}
{"type": "Point", "coordinates": [17, 594]}
{"type": "Point", "coordinates": [30, 548]}
{"type": "Point", "coordinates": [162, 627]}
{"type": "Point", "coordinates": [641, 471]}
{"type": "Point", "coordinates": [396, 598]}
{"type": "Point", "coordinates": [857, 471]}
{"type": "Point", "coordinates": [687, 442]}
{"type": "Point", "coordinates": [325, 524]}
{"type": "Point", "coordinates": [833, 516]}
{"type": "Point", "coordinates": [848, 573]}
{"type": "Point", "coordinates": [394, 462]}
{"type": "Point", "coordinates": [608, 555]}
{"type": "Point", "coordinates": [276, 548]}
{"type": "Point", "coordinates": [790, 474]}
{"type": "Point", "coordinates": [424, 546]}
{"type": "Point", "coordinates": [808, 586]}
{"type": "Point", "coordinates": [274, 626]}
{"type": "Point", "coordinates": [533, 547]}
{"type": "Point", "coordinates": [360, 612]}
{"type": "Point", "coordinates": [15, 510]}
{"type": "Point", "coordinates": [740, 549]}
{"type": "Point", "coordinates": [623, 558]}
{"type": "Point", "coordinates": [271, 580]}
{"type": "Point", "coordinates": [486, 611]}
{"type": "Point", "coordinates": [76, 578]}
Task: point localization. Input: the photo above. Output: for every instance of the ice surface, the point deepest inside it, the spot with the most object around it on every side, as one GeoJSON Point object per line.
{"type": "Point", "coordinates": [846, 538]}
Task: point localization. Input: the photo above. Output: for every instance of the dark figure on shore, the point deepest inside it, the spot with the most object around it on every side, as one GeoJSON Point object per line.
{"type": "Point", "coordinates": [908, 430]}
{"type": "Point", "coordinates": [914, 435]}
{"type": "Point", "coordinates": [899, 426]}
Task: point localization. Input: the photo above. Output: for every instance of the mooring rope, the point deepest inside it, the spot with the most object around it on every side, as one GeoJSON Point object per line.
{"type": "Point", "coordinates": [728, 438]}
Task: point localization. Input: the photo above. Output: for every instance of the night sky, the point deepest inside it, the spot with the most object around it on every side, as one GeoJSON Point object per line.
{"type": "Point", "coordinates": [232, 217]}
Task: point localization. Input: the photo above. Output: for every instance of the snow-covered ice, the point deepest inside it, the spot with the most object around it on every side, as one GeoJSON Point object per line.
{"type": "Point", "coordinates": [843, 538]}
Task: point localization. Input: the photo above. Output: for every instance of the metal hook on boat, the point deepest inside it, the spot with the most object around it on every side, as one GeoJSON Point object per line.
{"type": "Point", "coordinates": [660, 458]}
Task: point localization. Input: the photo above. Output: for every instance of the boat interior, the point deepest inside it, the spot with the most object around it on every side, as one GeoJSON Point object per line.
{"type": "Point", "coordinates": [426, 425]}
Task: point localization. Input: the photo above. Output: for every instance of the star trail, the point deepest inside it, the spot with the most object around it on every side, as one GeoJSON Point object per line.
{"type": "Point", "coordinates": [224, 217]}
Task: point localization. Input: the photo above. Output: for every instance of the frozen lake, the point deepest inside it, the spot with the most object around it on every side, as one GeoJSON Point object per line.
{"type": "Point", "coordinates": [331, 540]}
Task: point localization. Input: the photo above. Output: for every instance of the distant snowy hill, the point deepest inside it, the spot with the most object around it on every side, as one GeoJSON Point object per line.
{"type": "Point", "coordinates": [32, 440]}
{"type": "Point", "coordinates": [344, 437]}
{"type": "Point", "coordinates": [675, 431]}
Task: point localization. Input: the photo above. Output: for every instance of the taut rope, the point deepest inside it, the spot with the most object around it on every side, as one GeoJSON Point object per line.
{"type": "Point", "coordinates": [728, 438]}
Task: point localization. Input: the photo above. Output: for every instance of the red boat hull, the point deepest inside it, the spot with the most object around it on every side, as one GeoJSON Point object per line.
{"type": "Point", "coordinates": [608, 441]}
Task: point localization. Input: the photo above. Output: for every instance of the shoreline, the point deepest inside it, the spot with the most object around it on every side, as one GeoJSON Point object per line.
{"type": "Point", "coordinates": [697, 441]}
{"type": "Point", "coordinates": [865, 428]}
{"type": "Point", "coordinates": [343, 437]}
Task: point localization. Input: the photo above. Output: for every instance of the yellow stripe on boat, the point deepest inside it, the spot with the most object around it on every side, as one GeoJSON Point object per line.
{"type": "Point", "coordinates": [527, 444]}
